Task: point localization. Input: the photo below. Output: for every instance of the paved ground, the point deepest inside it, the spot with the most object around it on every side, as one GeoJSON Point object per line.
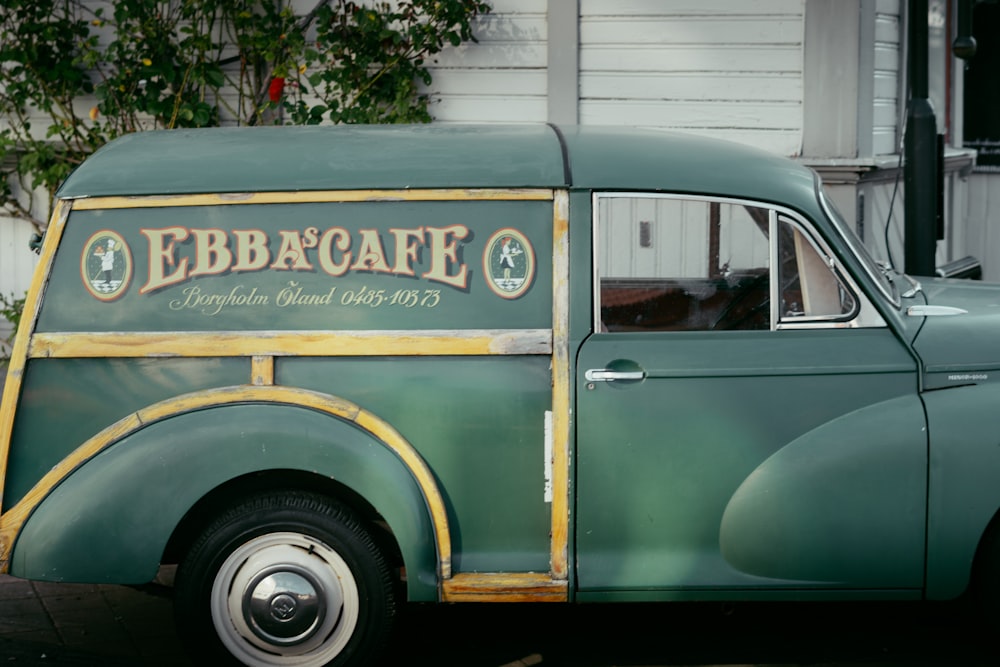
{"type": "Point", "coordinates": [63, 625]}
{"type": "Point", "coordinates": [81, 624]}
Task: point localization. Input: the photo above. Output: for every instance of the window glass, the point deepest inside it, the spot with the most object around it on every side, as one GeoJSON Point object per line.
{"type": "Point", "coordinates": [671, 264]}
{"type": "Point", "coordinates": [809, 288]}
{"type": "Point", "coordinates": [682, 265]}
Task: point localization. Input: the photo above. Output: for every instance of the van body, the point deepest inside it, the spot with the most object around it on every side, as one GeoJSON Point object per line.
{"type": "Point", "coordinates": [328, 370]}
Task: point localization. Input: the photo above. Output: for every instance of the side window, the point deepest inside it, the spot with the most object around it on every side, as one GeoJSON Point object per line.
{"type": "Point", "coordinates": [673, 264]}
{"type": "Point", "coordinates": [809, 288]}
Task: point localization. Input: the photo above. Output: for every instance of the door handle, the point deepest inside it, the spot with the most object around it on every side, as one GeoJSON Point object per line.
{"type": "Point", "coordinates": [608, 375]}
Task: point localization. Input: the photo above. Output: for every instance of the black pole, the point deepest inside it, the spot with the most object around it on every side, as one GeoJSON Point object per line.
{"type": "Point", "coordinates": [920, 153]}
{"type": "Point", "coordinates": [964, 45]}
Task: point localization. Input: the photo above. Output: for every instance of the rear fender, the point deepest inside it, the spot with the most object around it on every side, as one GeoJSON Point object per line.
{"type": "Point", "coordinates": [107, 513]}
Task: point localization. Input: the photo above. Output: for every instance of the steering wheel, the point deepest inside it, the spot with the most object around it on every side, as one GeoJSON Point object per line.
{"type": "Point", "coordinates": [746, 291]}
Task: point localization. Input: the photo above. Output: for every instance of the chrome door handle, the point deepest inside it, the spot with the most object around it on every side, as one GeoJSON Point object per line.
{"type": "Point", "coordinates": [608, 375]}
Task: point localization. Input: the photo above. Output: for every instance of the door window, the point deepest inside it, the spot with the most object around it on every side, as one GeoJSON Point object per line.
{"type": "Point", "coordinates": [679, 264]}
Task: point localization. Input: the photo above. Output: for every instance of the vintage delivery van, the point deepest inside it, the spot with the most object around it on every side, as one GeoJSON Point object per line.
{"type": "Point", "coordinates": [329, 370]}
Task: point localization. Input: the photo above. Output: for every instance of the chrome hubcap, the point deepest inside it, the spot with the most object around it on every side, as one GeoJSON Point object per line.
{"type": "Point", "coordinates": [285, 599]}
{"type": "Point", "coordinates": [284, 607]}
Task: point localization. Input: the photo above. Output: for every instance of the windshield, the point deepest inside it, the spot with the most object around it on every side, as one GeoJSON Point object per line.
{"type": "Point", "coordinates": [878, 272]}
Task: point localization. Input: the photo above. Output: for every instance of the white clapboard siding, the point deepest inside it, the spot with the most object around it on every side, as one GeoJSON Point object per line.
{"type": "Point", "coordinates": [502, 78]}
{"type": "Point", "coordinates": [678, 238]}
{"type": "Point", "coordinates": [668, 59]}
{"type": "Point", "coordinates": [692, 115]}
{"type": "Point", "coordinates": [983, 222]}
{"type": "Point", "coordinates": [887, 77]}
{"type": "Point", "coordinates": [880, 198]}
{"type": "Point", "coordinates": [603, 28]}
{"type": "Point", "coordinates": [511, 109]}
{"type": "Point", "coordinates": [17, 261]}
{"type": "Point", "coordinates": [17, 264]}
{"type": "Point", "coordinates": [692, 86]}
{"type": "Point", "coordinates": [689, 7]}
{"type": "Point", "coordinates": [715, 67]}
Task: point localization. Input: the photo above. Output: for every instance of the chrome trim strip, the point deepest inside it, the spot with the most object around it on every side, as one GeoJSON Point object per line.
{"type": "Point", "coordinates": [934, 311]}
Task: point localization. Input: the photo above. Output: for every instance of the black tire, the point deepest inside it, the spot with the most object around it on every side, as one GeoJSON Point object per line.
{"type": "Point", "coordinates": [284, 579]}
{"type": "Point", "coordinates": [986, 578]}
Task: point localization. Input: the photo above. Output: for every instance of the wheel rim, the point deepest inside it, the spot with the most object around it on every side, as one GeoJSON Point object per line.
{"type": "Point", "coordinates": [284, 599]}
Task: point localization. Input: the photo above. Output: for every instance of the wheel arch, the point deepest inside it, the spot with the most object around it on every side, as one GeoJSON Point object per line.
{"type": "Point", "coordinates": [123, 495]}
{"type": "Point", "coordinates": [988, 548]}
{"type": "Point", "coordinates": [223, 497]}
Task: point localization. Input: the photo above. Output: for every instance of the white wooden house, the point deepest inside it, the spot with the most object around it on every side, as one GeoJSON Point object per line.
{"type": "Point", "coordinates": [819, 80]}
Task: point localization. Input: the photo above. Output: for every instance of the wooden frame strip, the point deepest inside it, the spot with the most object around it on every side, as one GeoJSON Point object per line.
{"type": "Point", "coordinates": [12, 522]}
{"type": "Point", "coordinates": [560, 387]}
{"type": "Point", "coordinates": [318, 196]}
{"type": "Point", "coordinates": [19, 354]}
{"type": "Point", "coordinates": [262, 371]}
{"type": "Point", "coordinates": [503, 587]}
{"type": "Point", "coordinates": [449, 342]}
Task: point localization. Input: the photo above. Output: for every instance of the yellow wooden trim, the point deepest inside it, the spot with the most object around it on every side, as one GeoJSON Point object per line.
{"type": "Point", "coordinates": [12, 522]}
{"type": "Point", "coordinates": [19, 353]}
{"type": "Point", "coordinates": [319, 196]}
{"type": "Point", "coordinates": [89, 344]}
{"type": "Point", "coordinates": [262, 370]}
{"type": "Point", "coordinates": [386, 433]}
{"type": "Point", "coordinates": [503, 587]}
{"type": "Point", "coordinates": [560, 387]}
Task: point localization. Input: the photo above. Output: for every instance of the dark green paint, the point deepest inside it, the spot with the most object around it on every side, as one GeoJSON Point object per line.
{"type": "Point", "coordinates": [843, 505]}
{"type": "Point", "coordinates": [352, 157]}
{"type": "Point", "coordinates": [64, 402]}
{"type": "Point", "coordinates": [660, 460]}
{"type": "Point", "coordinates": [345, 157]}
{"type": "Point", "coordinates": [964, 460]}
{"type": "Point", "coordinates": [963, 343]}
{"type": "Point", "coordinates": [111, 519]}
{"type": "Point", "coordinates": [478, 422]}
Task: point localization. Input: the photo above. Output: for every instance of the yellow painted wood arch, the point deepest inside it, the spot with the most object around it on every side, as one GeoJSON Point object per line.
{"type": "Point", "coordinates": [12, 521]}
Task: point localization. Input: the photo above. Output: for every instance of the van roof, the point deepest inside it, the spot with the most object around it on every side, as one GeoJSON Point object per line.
{"type": "Point", "coordinates": [357, 157]}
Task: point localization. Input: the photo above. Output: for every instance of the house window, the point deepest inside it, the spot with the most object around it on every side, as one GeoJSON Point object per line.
{"type": "Point", "coordinates": [981, 127]}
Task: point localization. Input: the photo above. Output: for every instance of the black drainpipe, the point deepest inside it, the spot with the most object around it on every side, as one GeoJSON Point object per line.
{"type": "Point", "coordinates": [920, 153]}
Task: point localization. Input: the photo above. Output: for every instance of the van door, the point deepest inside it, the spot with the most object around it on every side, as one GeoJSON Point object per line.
{"type": "Point", "coordinates": [745, 418]}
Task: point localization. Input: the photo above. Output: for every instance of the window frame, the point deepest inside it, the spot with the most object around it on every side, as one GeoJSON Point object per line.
{"type": "Point", "coordinates": [863, 314]}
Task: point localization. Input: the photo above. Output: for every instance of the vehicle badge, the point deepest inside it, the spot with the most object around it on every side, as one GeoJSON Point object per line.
{"type": "Point", "coordinates": [106, 265]}
{"type": "Point", "coordinates": [509, 263]}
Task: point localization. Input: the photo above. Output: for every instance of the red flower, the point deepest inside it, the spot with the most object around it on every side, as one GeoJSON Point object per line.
{"type": "Point", "coordinates": [276, 89]}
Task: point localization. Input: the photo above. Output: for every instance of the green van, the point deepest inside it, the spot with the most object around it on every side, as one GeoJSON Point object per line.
{"type": "Point", "coordinates": [325, 371]}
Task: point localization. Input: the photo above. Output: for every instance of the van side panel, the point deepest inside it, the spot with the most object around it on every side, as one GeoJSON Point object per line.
{"type": "Point", "coordinates": [431, 311]}
{"type": "Point", "coordinates": [312, 266]}
{"type": "Point", "coordinates": [111, 519]}
{"type": "Point", "coordinates": [460, 413]}
{"type": "Point", "coordinates": [66, 401]}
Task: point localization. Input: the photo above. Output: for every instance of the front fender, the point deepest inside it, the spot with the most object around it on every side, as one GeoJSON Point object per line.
{"type": "Point", "coordinates": [111, 518]}
{"type": "Point", "coordinates": [841, 506]}
{"type": "Point", "coordinates": [964, 425]}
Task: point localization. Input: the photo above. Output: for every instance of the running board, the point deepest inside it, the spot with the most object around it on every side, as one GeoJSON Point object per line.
{"type": "Point", "coordinates": [504, 587]}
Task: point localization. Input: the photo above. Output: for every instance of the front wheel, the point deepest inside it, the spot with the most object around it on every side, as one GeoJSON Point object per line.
{"type": "Point", "coordinates": [284, 580]}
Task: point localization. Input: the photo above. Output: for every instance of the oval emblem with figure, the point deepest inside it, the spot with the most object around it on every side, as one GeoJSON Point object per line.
{"type": "Point", "coordinates": [106, 265]}
{"type": "Point", "coordinates": [509, 263]}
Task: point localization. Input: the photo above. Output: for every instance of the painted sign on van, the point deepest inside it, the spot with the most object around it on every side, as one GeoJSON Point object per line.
{"type": "Point", "coordinates": [310, 266]}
